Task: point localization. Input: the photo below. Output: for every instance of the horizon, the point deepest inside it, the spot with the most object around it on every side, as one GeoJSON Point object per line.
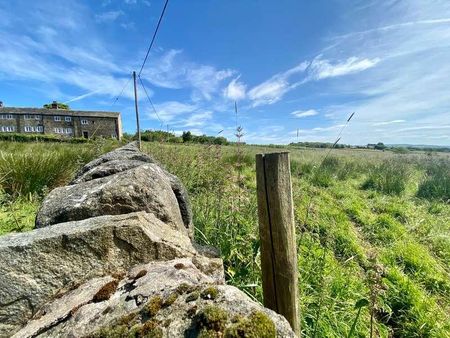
{"type": "Point", "coordinates": [290, 66]}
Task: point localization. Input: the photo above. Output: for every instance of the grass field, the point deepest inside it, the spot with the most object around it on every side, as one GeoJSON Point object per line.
{"type": "Point", "coordinates": [373, 228]}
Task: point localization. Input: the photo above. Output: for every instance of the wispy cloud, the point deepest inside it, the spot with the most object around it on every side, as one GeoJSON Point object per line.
{"type": "Point", "coordinates": [322, 69]}
{"type": "Point", "coordinates": [305, 113]}
{"type": "Point", "coordinates": [109, 16]}
{"type": "Point", "coordinates": [235, 90]}
{"type": "Point", "coordinates": [388, 122]}
{"type": "Point", "coordinates": [171, 70]}
{"type": "Point", "coordinates": [272, 90]}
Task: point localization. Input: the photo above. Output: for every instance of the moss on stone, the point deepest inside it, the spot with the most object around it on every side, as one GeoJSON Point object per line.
{"type": "Point", "coordinates": [153, 306]}
{"type": "Point", "coordinates": [212, 317]}
{"type": "Point", "coordinates": [192, 296]}
{"type": "Point", "coordinates": [257, 325]}
{"type": "Point", "coordinates": [150, 329]}
{"type": "Point", "coordinates": [105, 291]}
{"type": "Point", "coordinates": [118, 331]}
{"type": "Point", "coordinates": [211, 292]}
{"type": "Point", "coordinates": [170, 299]}
{"type": "Point", "coordinates": [184, 288]}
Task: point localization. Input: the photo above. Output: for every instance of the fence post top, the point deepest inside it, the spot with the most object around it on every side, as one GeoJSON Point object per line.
{"type": "Point", "coordinates": [274, 153]}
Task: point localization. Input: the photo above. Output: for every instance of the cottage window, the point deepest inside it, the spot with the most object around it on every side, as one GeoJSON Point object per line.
{"type": "Point", "coordinates": [84, 122]}
{"type": "Point", "coordinates": [68, 131]}
{"type": "Point", "coordinates": [58, 130]}
{"type": "Point", "coordinates": [28, 129]}
{"type": "Point", "coordinates": [6, 117]}
{"type": "Point", "coordinates": [68, 119]}
{"type": "Point", "coordinates": [28, 117]}
{"type": "Point", "coordinates": [8, 129]}
{"type": "Point", "coordinates": [56, 118]}
{"type": "Point", "coordinates": [37, 117]}
{"type": "Point", "coordinates": [39, 129]}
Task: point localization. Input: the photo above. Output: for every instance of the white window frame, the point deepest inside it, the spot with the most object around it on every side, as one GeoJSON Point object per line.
{"type": "Point", "coordinates": [6, 117]}
{"type": "Point", "coordinates": [67, 130]}
{"type": "Point", "coordinates": [28, 117]}
{"type": "Point", "coordinates": [38, 117]}
{"type": "Point", "coordinates": [58, 130]}
{"type": "Point", "coordinates": [68, 118]}
{"type": "Point", "coordinates": [8, 129]}
{"type": "Point", "coordinates": [57, 118]}
{"type": "Point", "coordinates": [84, 122]}
{"type": "Point", "coordinates": [39, 129]}
{"type": "Point", "coordinates": [28, 129]}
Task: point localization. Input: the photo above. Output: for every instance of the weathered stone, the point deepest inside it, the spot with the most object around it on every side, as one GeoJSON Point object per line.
{"type": "Point", "coordinates": [153, 297]}
{"type": "Point", "coordinates": [129, 157]}
{"type": "Point", "coordinates": [129, 152]}
{"type": "Point", "coordinates": [144, 188]}
{"type": "Point", "coordinates": [37, 265]}
{"type": "Point", "coordinates": [106, 169]}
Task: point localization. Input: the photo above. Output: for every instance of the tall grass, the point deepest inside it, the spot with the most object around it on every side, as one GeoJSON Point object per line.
{"type": "Point", "coordinates": [29, 169]}
{"type": "Point", "coordinates": [406, 281]}
{"type": "Point", "coordinates": [389, 177]}
{"type": "Point", "coordinates": [436, 184]}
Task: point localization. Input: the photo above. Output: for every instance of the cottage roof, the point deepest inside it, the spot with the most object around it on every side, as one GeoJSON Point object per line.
{"type": "Point", "coordinates": [57, 112]}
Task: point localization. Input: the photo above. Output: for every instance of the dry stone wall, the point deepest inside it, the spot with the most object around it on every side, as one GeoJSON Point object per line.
{"type": "Point", "coordinates": [112, 255]}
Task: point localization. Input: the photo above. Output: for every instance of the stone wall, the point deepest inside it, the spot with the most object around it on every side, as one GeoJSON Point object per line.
{"type": "Point", "coordinates": [113, 255]}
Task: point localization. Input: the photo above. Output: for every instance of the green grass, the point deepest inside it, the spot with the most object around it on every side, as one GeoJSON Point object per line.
{"type": "Point", "coordinates": [370, 226]}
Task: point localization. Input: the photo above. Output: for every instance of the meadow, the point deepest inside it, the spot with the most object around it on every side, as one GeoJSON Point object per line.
{"type": "Point", "coordinates": [373, 227]}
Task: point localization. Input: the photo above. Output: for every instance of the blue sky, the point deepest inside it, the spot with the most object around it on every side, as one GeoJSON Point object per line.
{"type": "Point", "coordinates": [290, 65]}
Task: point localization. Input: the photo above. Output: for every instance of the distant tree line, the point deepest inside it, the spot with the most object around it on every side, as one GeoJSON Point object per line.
{"type": "Point", "coordinates": [186, 137]}
{"type": "Point", "coordinates": [318, 145]}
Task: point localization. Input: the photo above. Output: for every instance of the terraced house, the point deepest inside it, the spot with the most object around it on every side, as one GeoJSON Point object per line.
{"type": "Point", "coordinates": [62, 122]}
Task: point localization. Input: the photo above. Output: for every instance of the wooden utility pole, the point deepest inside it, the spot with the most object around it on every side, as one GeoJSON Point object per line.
{"type": "Point", "coordinates": [277, 234]}
{"type": "Point", "coordinates": [137, 110]}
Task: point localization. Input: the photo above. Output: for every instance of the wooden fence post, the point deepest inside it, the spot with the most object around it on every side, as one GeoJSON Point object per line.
{"type": "Point", "coordinates": [277, 234]}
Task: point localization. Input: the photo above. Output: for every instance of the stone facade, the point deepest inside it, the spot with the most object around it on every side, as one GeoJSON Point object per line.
{"type": "Point", "coordinates": [65, 123]}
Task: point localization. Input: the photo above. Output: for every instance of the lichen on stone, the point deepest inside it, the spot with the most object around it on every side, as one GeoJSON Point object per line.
{"type": "Point", "coordinates": [153, 306]}
{"type": "Point", "coordinates": [192, 296]}
{"type": "Point", "coordinates": [170, 299]}
{"type": "Point", "coordinates": [211, 292]}
{"type": "Point", "coordinates": [184, 288]}
{"type": "Point", "coordinates": [257, 325]}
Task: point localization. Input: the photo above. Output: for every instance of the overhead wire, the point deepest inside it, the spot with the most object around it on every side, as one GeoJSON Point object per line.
{"type": "Point", "coordinates": [150, 100]}
{"type": "Point", "coordinates": [154, 37]}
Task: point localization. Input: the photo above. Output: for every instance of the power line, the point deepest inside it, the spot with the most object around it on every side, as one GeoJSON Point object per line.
{"type": "Point", "coordinates": [150, 100]}
{"type": "Point", "coordinates": [154, 37]}
{"type": "Point", "coordinates": [121, 92]}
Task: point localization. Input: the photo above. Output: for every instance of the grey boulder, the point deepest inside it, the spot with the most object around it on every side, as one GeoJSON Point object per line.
{"type": "Point", "coordinates": [43, 263]}
{"type": "Point", "coordinates": [143, 188]}
{"type": "Point", "coordinates": [159, 299]}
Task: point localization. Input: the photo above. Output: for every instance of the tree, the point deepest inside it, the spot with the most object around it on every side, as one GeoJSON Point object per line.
{"type": "Point", "coordinates": [56, 105]}
{"type": "Point", "coordinates": [187, 136]}
{"type": "Point", "coordinates": [380, 146]}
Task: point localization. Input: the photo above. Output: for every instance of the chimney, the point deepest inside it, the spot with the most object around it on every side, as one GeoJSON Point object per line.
{"type": "Point", "coordinates": [54, 105]}
{"type": "Point", "coordinates": [1, 104]}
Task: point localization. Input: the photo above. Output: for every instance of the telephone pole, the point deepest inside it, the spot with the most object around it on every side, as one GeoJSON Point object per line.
{"type": "Point", "coordinates": [137, 110]}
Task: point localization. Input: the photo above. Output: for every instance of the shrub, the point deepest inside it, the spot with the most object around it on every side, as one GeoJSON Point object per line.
{"type": "Point", "coordinates": [437, 181]}
{"type": "Point", "coordinates": [389, 177]}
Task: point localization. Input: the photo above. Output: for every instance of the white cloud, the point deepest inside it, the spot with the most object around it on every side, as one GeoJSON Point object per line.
{"type": "Point", "coordinates": [272, 90]}
{"type": "Point", "coordinates": [130, 2]}
{"type": "Point", "coordinates": [322, 69]}
{"type": "Point", "coordinates": [388, 122]}
{"type": "Point", "coordinates": [235, 90]}
{"type": "Point", "coordinates": [170, 110]}
{"type": "Point", "coordinates": [197, 119]}
{"type": "Point", "coordinates": [306, 113]}
{"type": "Point", "coordinates": [108, 16]}
{"type": "Point", "coordinates": [171, 70]}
